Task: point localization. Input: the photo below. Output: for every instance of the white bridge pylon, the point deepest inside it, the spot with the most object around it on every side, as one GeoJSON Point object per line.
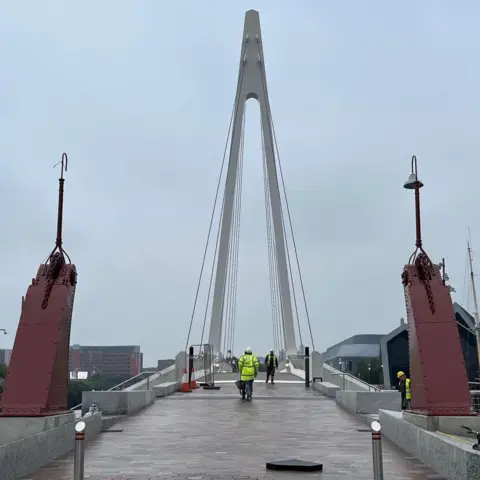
{"type": "Point", "coordinates": [252, 83]}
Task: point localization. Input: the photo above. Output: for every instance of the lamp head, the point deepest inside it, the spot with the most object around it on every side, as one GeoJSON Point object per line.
{"type": "Point", "coordinates": [376, 427]}
{"type": "Point", "coordinates": [80, 426]}
{"type": "Point", "coordinates": [412, 182]}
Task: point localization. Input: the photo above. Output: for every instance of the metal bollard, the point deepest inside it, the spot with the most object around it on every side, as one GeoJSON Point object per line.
{"type": "Point", "coordinates": [79, 461]}
{"type": "Point", "coordinates": [307, 366]}
{"type": "Point", "coordinates": [190, 365]}
{"type": "Point", "coordinates": [377, 451]}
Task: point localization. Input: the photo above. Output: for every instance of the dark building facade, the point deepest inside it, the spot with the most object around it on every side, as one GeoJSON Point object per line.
{"type": "Point", "coordinates": [395, 348]}
{"type": "Point", "coordinates": [109, 361]}
{"type": "Point", "coordinates": [162, 364]}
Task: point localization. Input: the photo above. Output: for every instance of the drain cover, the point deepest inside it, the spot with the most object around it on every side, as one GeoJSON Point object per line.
{"type": "Point", "coordinates": [363, 430]}
{"type": "Point", "coordinates": [295, 466]}
{"type": "Point", "coordinates": [111, 431]}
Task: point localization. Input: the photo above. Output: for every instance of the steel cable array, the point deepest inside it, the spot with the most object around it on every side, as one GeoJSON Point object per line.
{"type": "Point", "coordinates": [227, 326]}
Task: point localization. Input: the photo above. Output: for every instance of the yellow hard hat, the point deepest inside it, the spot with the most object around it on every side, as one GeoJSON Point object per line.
{"type": "Point", "coordinates": [400, 374]}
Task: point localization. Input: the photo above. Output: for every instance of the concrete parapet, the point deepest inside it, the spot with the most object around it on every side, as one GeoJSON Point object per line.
{"type": "Point", "coordinates": [326, 388]}
{"type": "Point", "coordinates": [444, 424]}
{"type": "Point", "coordinates": [109, 421]}
{"type": "Point", "coordinates": [27, 454]}
{"type": "Point", "coordinates": [164, 389]}
{"type": "Point", "coordinates": [368, 402]}
{"type": "Point", "coordinates": [447, 455]}
{"type": "Point", "coordinates": [166, 375]}
{"type": "Point", "coordinates": [16, 428]}
{"type": "Point", "coordinates": [120, 402]}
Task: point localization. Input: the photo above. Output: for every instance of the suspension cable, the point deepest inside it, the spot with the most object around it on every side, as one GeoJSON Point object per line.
{"type": "Point", "coordinates": [277, 307]}
{"type": "Point", "coordinates": [208, 236]}
{"type": "Point", "coordinates": [238, 210]}
{"type": "Point", "coordinates": [274, 137]}
{"type": "Point", "coordinates": [228, 282]}
{"type": "Point", "coordinates": [270, 253]}
{"type": "Point", "coordinates": [232, 118]}
{"type": "Point", "coordinates": [231, 286]}
{"type": "Point", "coordinates": [294, 294]}
{"type": "Point", "coordinates": [210, 283]}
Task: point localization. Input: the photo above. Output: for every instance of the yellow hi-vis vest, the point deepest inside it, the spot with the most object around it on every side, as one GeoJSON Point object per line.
{"type": "Point", "coordinates": [248, 367]}
{"type": "Point", "coordinates": [408, 392]}
{"type": "Point", "coordinates": [270, 360]}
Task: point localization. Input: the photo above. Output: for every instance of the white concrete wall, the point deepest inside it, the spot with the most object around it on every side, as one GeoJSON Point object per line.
{"type": "Point", "coordinates": [451, 458]}
{"type": "Point", "coordinates": [26, 455]}
{"type": "Point", "coordinates": [165, 375]}
{"type": "Point", "coordinates": [13, 429]}
{"type": "Point", "coordinates": [368, 402]}
{"type": "Point", "coordinates": [119, 402]}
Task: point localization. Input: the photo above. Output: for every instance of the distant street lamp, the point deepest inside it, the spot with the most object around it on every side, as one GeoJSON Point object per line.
{"type": "Point", "coordinates": [369, 374]}
{"type": "Point", "coordinates": [413, 183]}
{"type": "Point", "coordinates": [3, 330]}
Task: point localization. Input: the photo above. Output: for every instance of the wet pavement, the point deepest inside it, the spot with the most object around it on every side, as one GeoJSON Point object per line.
{"type": "Point", "coordinates": [216, 435]}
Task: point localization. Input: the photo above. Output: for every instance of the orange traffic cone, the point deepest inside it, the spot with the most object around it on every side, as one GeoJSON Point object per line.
{"type": "Point", "coordinates": [193, 382]}
{"type": "Point", "coordinates": [185, 387]}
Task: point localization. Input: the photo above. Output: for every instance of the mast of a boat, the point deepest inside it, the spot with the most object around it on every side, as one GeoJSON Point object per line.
{"type": "Point", "coordinates": [474, 294]}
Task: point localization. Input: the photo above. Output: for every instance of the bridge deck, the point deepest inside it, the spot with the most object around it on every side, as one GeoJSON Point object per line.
{"type": "Point", "coordinates": [216, 435]}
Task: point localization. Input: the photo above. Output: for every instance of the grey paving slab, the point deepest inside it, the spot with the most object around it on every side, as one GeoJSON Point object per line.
{"type": "Point", "coordinates": [196, 435]}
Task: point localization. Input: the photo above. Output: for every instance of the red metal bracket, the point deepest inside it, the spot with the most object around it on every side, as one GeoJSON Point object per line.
{"type": "Point", "coordinates": [439, 381]}
{"type": "Point", "coordinates": [37, 379]}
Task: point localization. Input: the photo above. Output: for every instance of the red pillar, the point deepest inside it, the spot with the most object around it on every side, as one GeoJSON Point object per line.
{"type": "Point", "coordinates": [37, 380]}
{"type": "Point", "coordinates": [439, 381]}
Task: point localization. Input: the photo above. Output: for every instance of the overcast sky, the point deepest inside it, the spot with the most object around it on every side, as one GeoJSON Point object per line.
{"type": "Point", "coordinates": [139, 95]}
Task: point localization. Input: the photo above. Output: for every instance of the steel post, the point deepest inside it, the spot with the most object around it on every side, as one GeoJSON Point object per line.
{"type": "Point", "coordinates": [307, 367]}
{"type": "Point", "coordinates": [377, 454]}
{"type": "Point", "coordinates": [79, 460]}
{"type": "Point", "coordinates": [190, 364]}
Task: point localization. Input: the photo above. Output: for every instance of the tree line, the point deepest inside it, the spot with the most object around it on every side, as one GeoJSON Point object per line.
{"type": "Point", "coordinates": [76, 387]}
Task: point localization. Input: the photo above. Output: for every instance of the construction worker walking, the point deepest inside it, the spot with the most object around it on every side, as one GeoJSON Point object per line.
{"type": "Point", "coordinates": [248, 366]}
{"type": "Point", "coordinates": [271, 363]}
{"type": "Point", "coordinates": [404, 389]}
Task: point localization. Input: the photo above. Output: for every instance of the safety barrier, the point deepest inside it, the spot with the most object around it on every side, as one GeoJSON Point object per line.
{"type": "Point", "coordinates": [201, 358]}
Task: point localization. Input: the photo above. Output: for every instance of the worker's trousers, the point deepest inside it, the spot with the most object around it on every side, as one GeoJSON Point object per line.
{"type": "Point", "coordinates": [248, 388]}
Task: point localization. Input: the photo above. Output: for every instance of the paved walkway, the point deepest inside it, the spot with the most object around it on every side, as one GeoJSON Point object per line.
{"type": "Point", "coordinates": [214, 435]}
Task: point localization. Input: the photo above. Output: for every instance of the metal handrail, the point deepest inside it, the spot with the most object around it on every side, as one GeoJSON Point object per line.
{"type": "Point", "coordinates": [477, 385]}
{"type": "Point", "coordinates": [143, 374]}
{"type": "Point", "coordinates": [375, 389]}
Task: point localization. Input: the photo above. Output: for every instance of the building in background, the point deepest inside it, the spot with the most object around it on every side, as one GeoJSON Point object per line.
{"type": "Point", "coordinates": [108, 361]}
{"type": "Point", "coordinates": [390, 353]}
{"type": "Point", "coordinates": [5, 355]}
{"type": "Point", "coordinates": [395, 348]}
{"type": "Point", "coordinates": [162, 364]}
{"type": "Point", "coordinates": [350, 354]}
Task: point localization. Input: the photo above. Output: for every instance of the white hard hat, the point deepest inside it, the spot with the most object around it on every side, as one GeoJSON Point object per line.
{"type": "Point", "coordinates": [272, 350]}
{"type": "Point", "coordinates": [249, 350]}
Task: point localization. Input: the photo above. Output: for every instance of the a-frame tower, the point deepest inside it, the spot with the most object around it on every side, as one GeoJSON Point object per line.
{"type": "Point", "coordinates": [252, 83]}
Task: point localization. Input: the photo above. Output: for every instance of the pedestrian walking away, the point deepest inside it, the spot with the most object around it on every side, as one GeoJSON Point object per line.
{"type": "Point", "coordinates": [248, 366]}
{"type": "Point", "coordinates": [271, 364]}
